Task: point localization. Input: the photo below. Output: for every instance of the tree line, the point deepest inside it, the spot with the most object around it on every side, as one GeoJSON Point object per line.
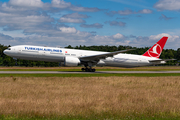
{"type": "Point", "coordinates": [9, 61]}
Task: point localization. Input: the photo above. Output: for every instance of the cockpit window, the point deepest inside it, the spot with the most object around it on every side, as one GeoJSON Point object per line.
{"type": "Point", "coordinates": [9, 48]}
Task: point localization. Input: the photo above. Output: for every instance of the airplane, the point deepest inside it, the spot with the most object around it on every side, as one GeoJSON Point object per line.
{"type": "Point", "coordinates": [75, 57]}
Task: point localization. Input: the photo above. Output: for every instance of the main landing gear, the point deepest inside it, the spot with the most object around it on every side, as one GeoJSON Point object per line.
{"type": "Point", "coordinates": [88, 69]}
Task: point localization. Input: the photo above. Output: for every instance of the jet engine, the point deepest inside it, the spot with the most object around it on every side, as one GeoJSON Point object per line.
{"type": "Point", "coordinates": [71, 61]}
{"type": "Point", "coordinates": [101, 63]}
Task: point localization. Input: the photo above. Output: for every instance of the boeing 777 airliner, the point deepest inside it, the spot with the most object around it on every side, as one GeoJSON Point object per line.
{"type": "Point", "coordinates": [74, 57]}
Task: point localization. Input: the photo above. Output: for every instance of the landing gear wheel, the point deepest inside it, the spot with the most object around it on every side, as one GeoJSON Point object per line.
{"type": "Point", "coordinates": [88, 69]}
{"type": "Point", "coordinates": [83, 69]}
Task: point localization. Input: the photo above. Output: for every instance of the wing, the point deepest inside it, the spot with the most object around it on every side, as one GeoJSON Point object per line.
{"type": "Point", "coordinates": [96, 58]}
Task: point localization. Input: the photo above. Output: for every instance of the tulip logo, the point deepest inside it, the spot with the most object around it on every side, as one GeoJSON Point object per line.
{"type": "Point", "coordinates": [155, 51]}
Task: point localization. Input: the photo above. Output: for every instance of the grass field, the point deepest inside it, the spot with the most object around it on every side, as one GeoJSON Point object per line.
{"type": "Point", "coordinates": [94, 75]}
{"type": "Point", "coordinates": [151, 68]}
{"type": "Point", "coordinates": [90, 98]}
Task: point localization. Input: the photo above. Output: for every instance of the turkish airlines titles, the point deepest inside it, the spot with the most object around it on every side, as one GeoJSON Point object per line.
{"type": "Point", "coordinates": [43, 49]}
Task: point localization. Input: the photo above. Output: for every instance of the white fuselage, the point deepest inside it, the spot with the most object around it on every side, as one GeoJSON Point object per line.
{"type": "Point", "coordinates": [39, 53]}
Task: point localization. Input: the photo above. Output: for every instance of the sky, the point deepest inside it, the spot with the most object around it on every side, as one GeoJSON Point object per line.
{"type": "Point", "coordinates": [59, 23]}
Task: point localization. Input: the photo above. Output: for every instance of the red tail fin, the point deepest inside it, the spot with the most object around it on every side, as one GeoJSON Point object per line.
{"type": "Point", "coordinates": [156, 49]}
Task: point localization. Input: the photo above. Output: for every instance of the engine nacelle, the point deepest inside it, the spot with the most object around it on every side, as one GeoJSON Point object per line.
{"type": "Point", "coordinates": [71, 61]}
{"type": "Point", "coordinates": [101, 63]}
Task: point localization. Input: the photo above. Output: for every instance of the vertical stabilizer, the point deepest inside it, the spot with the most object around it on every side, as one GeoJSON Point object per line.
{"type": "Point", "coordinates": [156, 49]}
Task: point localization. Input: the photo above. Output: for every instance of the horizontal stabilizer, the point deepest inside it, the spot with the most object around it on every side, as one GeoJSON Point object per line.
{"type": "Point", "coordinates": [161, 60]}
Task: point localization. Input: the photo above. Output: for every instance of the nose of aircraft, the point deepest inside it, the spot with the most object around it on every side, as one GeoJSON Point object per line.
{"type": "Point", "coordinates": [5, 51]}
